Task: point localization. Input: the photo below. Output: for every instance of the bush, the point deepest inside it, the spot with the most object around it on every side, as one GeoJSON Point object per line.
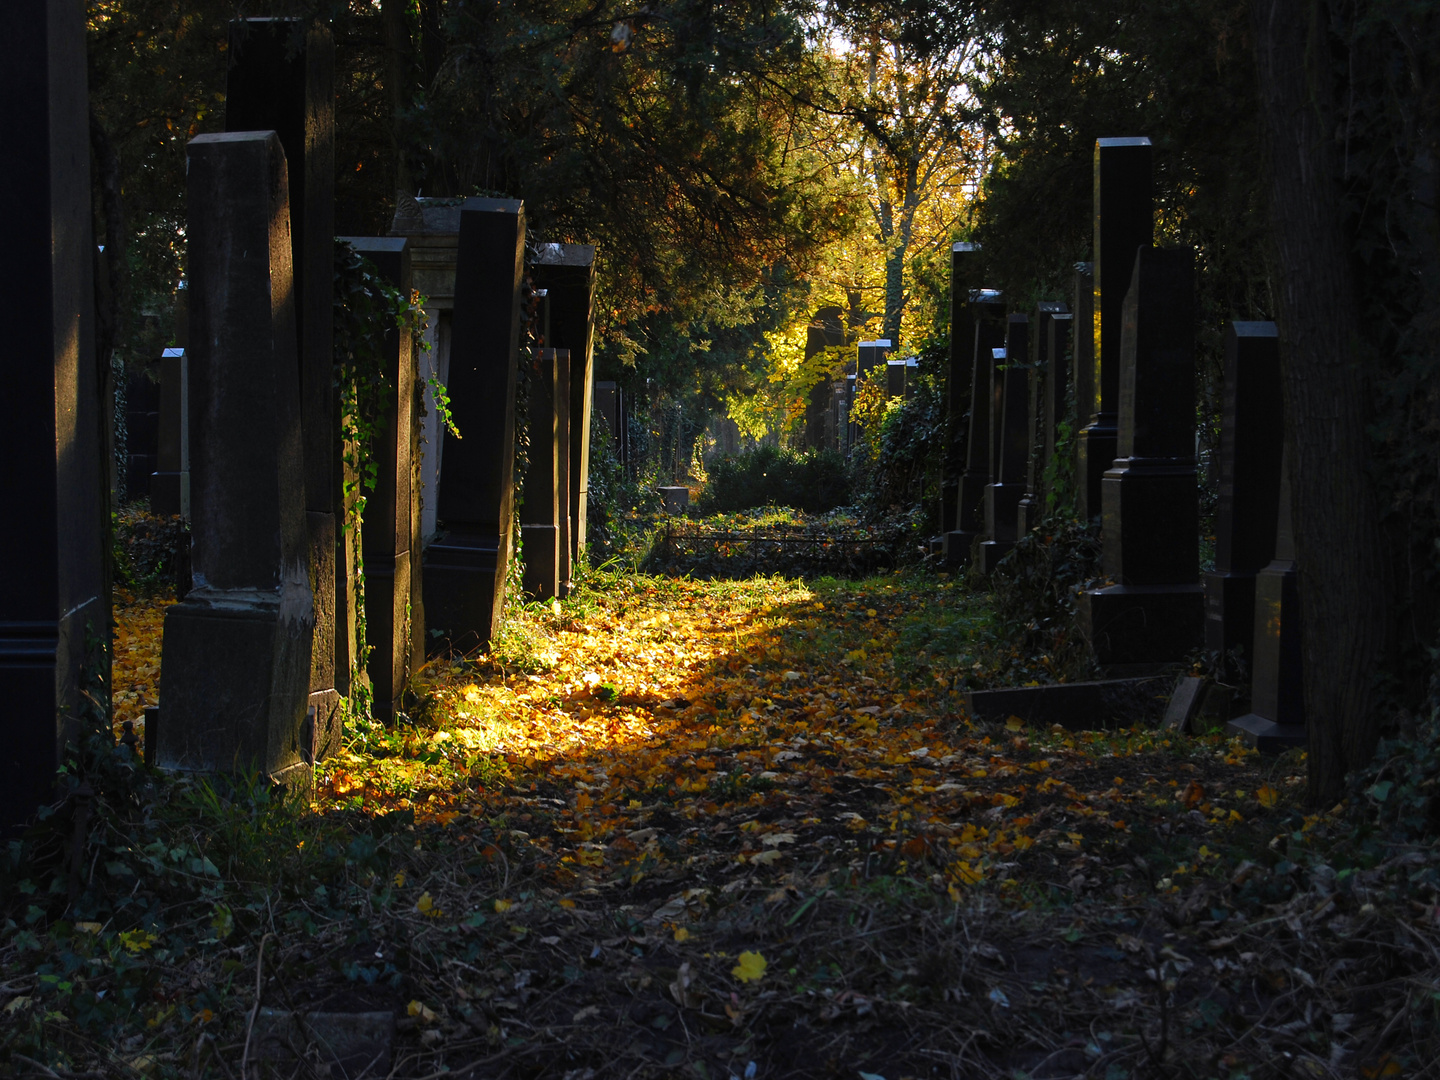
{"type": "Point", "coordinates": [813, 481]}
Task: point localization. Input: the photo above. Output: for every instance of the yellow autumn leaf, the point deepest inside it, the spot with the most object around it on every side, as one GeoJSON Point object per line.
{"type": "Point", "coordinates": [751, 967]}
{"type": "Point", "coordinates": [1268, 796]}
{"type": "Point", "coordinates": [502, 906]}
{"type": "Point", "coordinates": [681, 934]}
{"type": "Point", "coordinates": [1014, 723]}
{"type": "Point", "coordinates": [426, 906]}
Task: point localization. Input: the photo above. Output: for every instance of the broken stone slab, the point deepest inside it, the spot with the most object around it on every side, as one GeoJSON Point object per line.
{"type": "Point", "coordinates": [346, 1045]}
{"type": "Point", "coordinates": [1184, 704]}
{"type": "Point", "coordinates": [1266, 735]}
{"type": "Point", "coordinates": [1083, 706]}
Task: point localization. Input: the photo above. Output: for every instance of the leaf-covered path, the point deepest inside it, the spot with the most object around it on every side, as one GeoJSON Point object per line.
{"type": "Point", "coordinates": [741, 829]}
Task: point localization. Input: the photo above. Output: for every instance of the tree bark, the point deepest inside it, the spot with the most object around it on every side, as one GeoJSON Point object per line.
{"type": "Point", "coordinates": [1327, 395]}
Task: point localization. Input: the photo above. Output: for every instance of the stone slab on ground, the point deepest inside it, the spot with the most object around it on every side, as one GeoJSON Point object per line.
{"type": "Point", "coordinates": [1084, 706]}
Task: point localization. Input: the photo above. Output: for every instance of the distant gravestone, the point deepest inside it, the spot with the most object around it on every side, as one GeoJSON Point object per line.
{"type": "Point", "coordinates": [912, 377]}
{"type": "Point", "coordinates": [987, 333]}
{"type": "Point", "coordinates": [1032, 503]}
{"type": "Point", "coordinates": [1277, 693]}
{"type": "Point", "coordinates": [895, 371]}
{"type": "Point", "coordinates": [567, 273]}
{"type": "Point", "coordinates": [607, 406]}
{"type": "Point", "coordinates": [281, 78]}
{"type": "Point", "coordinates": [390, 528]}
{"type": "Point", "coordinates": [235, 669]}
{"type": "Point", "coordinates": [1124, 220]}
{"type": "Point", "coordinates": [1082, 356]}
{"type": "Point", "coordinates": [563, 482]}
{"type": "Point", "coordinates": [1156, 611]}
{"type": "Point", "coordinates": [142, 433]}
{"type": "Point", "coordinates": [1010, 429]}
{"type": "Point", "coordinates": [170, 483]}
{"type": "Point", "coordinates": [465, 568]}
{"type": "Point", "coordinates": [871, 355]}
{"type": "Point", "coordinates": [1056, 396]}
{"type": "Point", "coordinates": [54, 596]}
{"type": "Point", "coordinates": [964, 259]}
{"type": "Point", "coordinates": [540, 507]}
{"type": "Point", "coordinates": [826, 330]}
{"type": "Point", "coordinates": [1252, 438]}
{"type": "Point", "coordinates": [674, 499]}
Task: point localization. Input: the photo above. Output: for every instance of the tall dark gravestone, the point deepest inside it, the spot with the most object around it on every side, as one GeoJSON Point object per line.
{"type": "Point", "coordinates": [987, 333]}
{"type": "Point", "coordinates": [1010, 428]}
{"type": "Point", "coordinates": [390, 528]}
{"type": "Point", "coordinates": [1124, 221]}
{"type": "Point", "coordinates": [567, 273]}
{"type": "Point", "coordinates": [566, 568]}
{"type": "Point", "coordinates": [1277, 693]}
{"type": "Point", "coordinates": [170, 483]}
{"type": "Point", "coordinates": [871, 355]}
{"type": "Point", "coordinates": [1038, 446]}
{"type": "Point", "coordinates": [235, 668]}
{"type": "Point", "coordinates": [1059, 336]}
{"type": "Point", "coordinates": [142, 433]}
{"type": "Point", "coordinates": [1252, 438]}
{"type": "Point", "coordinates": [465, 567]}
{"type": "Point", "coordinates": [540, 507]}
{"type": "Point", "coordinates": [1082, 355]}
{"type": "Point", "coordinates": [964, 258]}
{"type": "Point", "coordinates": [1151, 524]}
{"type": "Point", "coordinates": [895, 375]}
{"type": "Point", "coordinates": [282, 79]}
{"type": "Point", "coordinates": [826, 330]}
{"type": "Point", "coordinates": [54, 594]}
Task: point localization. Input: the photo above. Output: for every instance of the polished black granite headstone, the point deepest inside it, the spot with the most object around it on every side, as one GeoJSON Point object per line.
{"type": "Point", "coordinates": [281, 78]}
{"type": "Point", "coordinates": [1010, 428]}
{"type": "Point", "coordinates": [987, 333]}
{"type": "Point", "coordinates": [465, 568]}
{"type": "Point", "coordinates": [565, 562]}
{"type": "Point", "coordinates": [895, 378]}
{"type": "Point", "coordinates": [1252, 438]}
{"type": "Point", "coordinates": [170, 483]}
{"type": "Point", "coordinates": [964, 259]}
{"type": "Point", "coordinates": [1058, 344]}
{"type": "Point", "coordinates": [1151, 547]}
{"type": "Point", "coordinates": [390, 528]}
{"type": "Point", "coordinates": [540, 505]}
{"type": "Point", "coordinates": [1277, 691]}
{"type": "Point", "coordinates": [1040, 438]}
{"type": "Point", "coordinates": [826, 330]}
{"type": "Point", "coordinates": [235, 667]}
{"type": "Point", "coordinates": [871, 355]}
{"type": "Point", "coordinates": [54, 594]}
{"type": "Point", "coordinates": [1124, 220]}
{"type": "Point", "coordinates": [567, 273]}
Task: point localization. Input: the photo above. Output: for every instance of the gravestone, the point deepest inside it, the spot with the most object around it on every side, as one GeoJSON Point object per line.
{"type": "Point", "coordinates": [465, 568]}
{"type": "Point", "coordinates": [895, 371]}
{"type": "Point", "coordinates": [851, 428]}
{"type": "Point", "coordinates": [55, 595]}
{"type": "Point", "coordinates": [235, 667]}
{"type": "Point", "coordinates": [1056, 394]}
{"type": "Point", "coordinates": [912, 377]}
{"type": "Point", "coordinates": [987, 330]}
{"type": "Point", "coordinates": [567, 273]}
{"type": "Point", "coordinates": [566, 539]}
{"type": "Point", "coordinates": [1042, 381]}
{"type": "Point", "coordinates": [432, 227]}
{"type": "Point", "coordinates": [142, 433]}
{"type": "Point", "coordinates": [870, 355]}
{"type": "Point", "coordinates": [674, 499]}
{"type": "Point", "coordinates": [540, 508]}
{"type": "Point", "coordinates": [1252, 438]}
{"type": "Point", "coordinates": [1082, 356]}
{"type": "Point", "coordinates": [170, 483]}
{"type": "Point", "coordinates": [1124, 221]}
{"type": "Point", "coordinates": [607, 405]}
{"type": "Point", "coordinates": [1276, 720]}
{"type": "Point", "coordinates": [964, 268]}
{"type": "Point", "coordinates": [1155, 612]}
{"type": "Point", "coordinates": [1010, 429]}
{"type": "Point", "coordinates": [390, 528]}
{"type": "Point", "coordinates": [281, 78]}
{"type": "Point", "coordinates": [826, 330]}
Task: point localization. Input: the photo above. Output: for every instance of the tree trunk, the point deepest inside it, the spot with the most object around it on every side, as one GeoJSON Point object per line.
{"type": "Point", "coordinates": [1327, 395]}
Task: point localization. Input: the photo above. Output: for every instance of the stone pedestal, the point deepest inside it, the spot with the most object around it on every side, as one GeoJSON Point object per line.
{"type": "Point", "coordinates": [987, 333]}
{"type": "Point", "coordinates": [235, 668]}
{"type": "Point", "coordinates": [55, 592]}
{"type": "Point", "coordinates": [390, 530]}
{"type": "Point", "coordinates": [281, 78]}
{"type": "Point", "coordinates": [170, 484]}
{"type": "Point", "coordinates": [1252, 438]}
{"type": "Point", "coordinates": [1277, 690]}
{"type": "Point", "coordinates": [1009, 426]}
{"type": "Point", "coordinates": [1124, 220]}
{"type": "Point", "coordinates": [465, 568]}
{"type": "Point", "coordinates": [540, 505]}
{"type": "Point", "coordinates": [567, 273]}
{"type": "Point", "coordinates": [1155, 612]}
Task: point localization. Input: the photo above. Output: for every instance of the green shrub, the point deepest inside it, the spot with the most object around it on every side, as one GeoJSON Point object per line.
{"type": "Point", "coordinates": [813, 481]}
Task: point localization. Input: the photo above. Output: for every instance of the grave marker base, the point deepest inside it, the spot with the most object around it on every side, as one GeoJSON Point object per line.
{"type": "Point", "coordinates": [542, 560]}
{"type": "Point", "coordinates": [1143, 624]}
{"type": "Point", "coordinates": [1095, 450]}
{"type": "Point", "coordinates": [1266, 735]}
{"type": "Point", "coordinates": [462, 589]}
{"type": "Point", "coordinates": [387, 591]}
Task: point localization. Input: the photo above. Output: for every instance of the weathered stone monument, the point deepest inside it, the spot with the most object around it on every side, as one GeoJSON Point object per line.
{"type": "Point", "coordinates": [282, 78]}
{"type": "Point", "coordinates": [142, 432]}
{"type": "Point", "coordinates": [1058, 336]}
{"type": "Point", "coordinates": [170, 483]}
{"type": "Point", "coordinates": [1010, 432]}
{"type": "Point", "coordinates": [1276, 720]}
{"type": "Point", "coordinates": [1252, 438]}
{"type": "Point", "coordinates": [1082, 357]}
{"type": "Point", "coordinates": [986, 328]}
{"type": "Point", "coordinates": [390, 528]}
{"type": "Point", "coordinates": [871, 355]}
{"type": "Point", "coordinates": [1124, 220]}
{"type": "Point", "coordinates": [567, 273]}
{"type": "Point", "coordinates": [826, 330]}
{"type": "Point", "coordinates": [465, 567]}
{"type": "Point", "coordinates": [56, 594]}
{"type": "Point", "coordinates": [1040, 437]}
{"type": "Point", "coordinates": [540, 531]}
{"type": "Point", "coordinates": [963, 270]}
{"type": "Point", "coordinates": [1156, 610]}
{"type": "Point", "coordinates": [895, 373]}
{"type": "Point", "coordinates": [235, 670]}
{"type": "Point", "coordinates": [566, 540]}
